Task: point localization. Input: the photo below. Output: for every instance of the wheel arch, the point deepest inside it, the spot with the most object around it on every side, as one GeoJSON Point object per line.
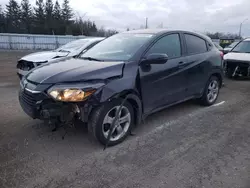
{"type": "Point", "coordinates": [136, 103]}
{"type": "Point", "coordinates": [134, 99]}
{"type": "Point", "coordinates": [219, 76]}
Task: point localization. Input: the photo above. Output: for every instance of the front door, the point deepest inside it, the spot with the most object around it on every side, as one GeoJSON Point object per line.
{"type": "Point", "coordinates": [164, 84]}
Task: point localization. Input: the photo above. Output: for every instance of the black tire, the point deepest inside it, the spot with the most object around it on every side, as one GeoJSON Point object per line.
{"type": "Point", "coordinates": [95, 125]}
{"type": "Point", "coordinates": [204, 99]}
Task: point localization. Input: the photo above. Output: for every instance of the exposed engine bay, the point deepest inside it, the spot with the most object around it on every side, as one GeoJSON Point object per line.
{"type": "Point", "coordinates": [235, 68]}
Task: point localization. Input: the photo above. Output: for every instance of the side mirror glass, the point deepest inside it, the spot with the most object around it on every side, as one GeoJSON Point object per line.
{"type": "Point", "coordinates": [155, 58]}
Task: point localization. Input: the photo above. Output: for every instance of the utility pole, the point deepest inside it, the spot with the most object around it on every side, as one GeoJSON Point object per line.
{"type": "Point", "coordinates": [146, 23]}
{"type": "Point", "coordinates": [160, 25]}
{"type": "Point", "coordinates": [241, 26]}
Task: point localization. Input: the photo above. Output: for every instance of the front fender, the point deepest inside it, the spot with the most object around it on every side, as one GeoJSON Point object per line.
{"type": "Point", "coordinates": [119, 87]}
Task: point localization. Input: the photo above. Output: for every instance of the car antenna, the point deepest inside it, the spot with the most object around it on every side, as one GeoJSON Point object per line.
{"type": "Point", "coordinates": [112, 127]}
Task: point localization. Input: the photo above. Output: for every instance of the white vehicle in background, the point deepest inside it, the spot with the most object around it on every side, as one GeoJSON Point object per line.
{"type": "Point", "coordinates": [230, 47]}
{"type": "Point", "coordinates": [237, 61]}
{"type": "Point", "coordinates": [71, 49]}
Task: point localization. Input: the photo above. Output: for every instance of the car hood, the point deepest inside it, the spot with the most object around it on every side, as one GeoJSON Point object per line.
{"type": "Point", "coordinates": [237, 56]}
{"type": "Point", "coordinates": [75, 70]}
{"type": "Point", "coordinates": [44, 56]}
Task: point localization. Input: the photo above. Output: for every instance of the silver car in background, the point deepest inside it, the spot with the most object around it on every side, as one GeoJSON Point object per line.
{"type": "Point", "coordinates": [71, 49]}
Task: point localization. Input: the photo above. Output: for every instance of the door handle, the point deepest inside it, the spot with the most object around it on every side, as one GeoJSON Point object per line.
{"type": "Point", "coordinates": [181, 64]}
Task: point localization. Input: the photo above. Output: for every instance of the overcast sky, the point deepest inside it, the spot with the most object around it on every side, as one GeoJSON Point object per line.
{"type": "Point", "coordinates": [197, 15]}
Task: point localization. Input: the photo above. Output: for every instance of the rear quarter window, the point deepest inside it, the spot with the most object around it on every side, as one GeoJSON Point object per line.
{"type": "Point", "coordinates": [195, 44]}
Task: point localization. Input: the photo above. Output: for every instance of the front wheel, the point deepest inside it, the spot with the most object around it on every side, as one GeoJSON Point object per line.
{"type": "Point", "coordinates": [211, 92]}
{"type": "Point", "coordinates": [102, 118]}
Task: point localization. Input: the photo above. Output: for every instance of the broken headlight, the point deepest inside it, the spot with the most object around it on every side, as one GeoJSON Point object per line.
{"type": "Point", "coordinates": [70, 94]}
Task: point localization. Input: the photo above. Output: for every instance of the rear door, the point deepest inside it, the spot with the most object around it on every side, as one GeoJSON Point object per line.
{"type": "Point", "coordinates": [198, 64]}
{"type": "Point", "coordinates": [163, 84]}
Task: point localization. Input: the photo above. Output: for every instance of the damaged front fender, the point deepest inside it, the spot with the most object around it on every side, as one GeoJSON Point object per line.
{"type": "Point", "coordinates": [119, 87]}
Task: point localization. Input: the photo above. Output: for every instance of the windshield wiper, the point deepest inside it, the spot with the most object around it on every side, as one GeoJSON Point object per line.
{"type": "Point", "coordinates": [91, 59]}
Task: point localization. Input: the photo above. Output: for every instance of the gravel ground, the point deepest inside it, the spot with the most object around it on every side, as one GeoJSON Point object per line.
{"type": "Point", "coordinates": [185, 146]}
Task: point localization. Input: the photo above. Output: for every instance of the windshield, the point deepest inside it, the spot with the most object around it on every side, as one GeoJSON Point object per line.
{"type": "Point", "coordinates": [242, 47]}
{"type": "Point", "coordinates": [74, 45]}
{"type": "Point", "coordinates": [120, 47]}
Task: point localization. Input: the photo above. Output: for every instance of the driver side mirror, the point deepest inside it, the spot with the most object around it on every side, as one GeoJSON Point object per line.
{"type": "Point", "coordinates": [155, 58]}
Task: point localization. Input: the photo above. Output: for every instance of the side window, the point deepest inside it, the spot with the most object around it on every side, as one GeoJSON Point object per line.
{"type": "Point", "coordinates": [195, 44]}
{"type": "Point", "coordinates": [169, 45]}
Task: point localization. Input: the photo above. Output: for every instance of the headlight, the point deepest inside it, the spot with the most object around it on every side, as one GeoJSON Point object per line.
{"type": "Point", "coordinates": [70, 95]}
{"type": "Point", "coordinates": [41, 63]}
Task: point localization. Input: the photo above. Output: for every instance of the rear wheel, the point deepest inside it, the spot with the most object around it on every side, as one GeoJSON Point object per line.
{"type": "Point", "coordinates": [102, 118]}
{"type": "Point", "coordinates": [211, 91]}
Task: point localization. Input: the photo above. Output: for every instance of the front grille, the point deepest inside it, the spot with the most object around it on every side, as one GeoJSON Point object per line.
{"type": "Point", "coordinates": [29, 99]}
{"type": "Point", "coordinates": [28, 103]}
{"type": "Point", "coordinates": [25, 65]}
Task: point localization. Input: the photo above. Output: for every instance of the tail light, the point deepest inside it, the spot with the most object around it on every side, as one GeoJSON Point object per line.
{"type": "Point", "coordinates": [221, 54]}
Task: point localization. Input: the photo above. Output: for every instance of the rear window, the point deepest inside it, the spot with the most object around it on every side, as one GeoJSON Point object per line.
{"type": "Point", "coordinates": [195, 45]}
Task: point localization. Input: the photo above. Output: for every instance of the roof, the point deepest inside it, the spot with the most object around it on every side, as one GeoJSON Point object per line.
{"type": "Point", "coordinates": [148, 31]}
{"type": "Point", "coordinates": [159, 31]}
{"type": "Point", "coordinates": [92, 38]}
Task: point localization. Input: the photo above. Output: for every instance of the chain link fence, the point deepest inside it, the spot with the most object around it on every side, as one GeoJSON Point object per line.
{"type": "Point", "coordinates": [39, 42]}
{"type": "Point", "coordinates": [34, 42]}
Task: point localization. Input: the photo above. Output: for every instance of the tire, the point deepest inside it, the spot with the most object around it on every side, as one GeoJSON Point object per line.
{"type": "Point", "coordinates": [97, 128]}
{"type": "Point", "coordinates": [205, 98]}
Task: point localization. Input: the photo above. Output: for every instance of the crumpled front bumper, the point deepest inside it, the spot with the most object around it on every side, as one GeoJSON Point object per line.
{"type": "Point", "coordinates": [39, 106]}
{"type": "Point", "coordinates": [36, 108]}
{"type": "Point", "coordinates": [240, 68]}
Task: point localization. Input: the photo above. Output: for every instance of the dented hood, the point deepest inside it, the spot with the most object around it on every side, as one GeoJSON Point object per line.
{"type": "Point", "coordinates": [44, 56]}
{"type": "Point", "coordinates": [237, 56]}
{"type": "Point", "coordinates": [74, 70]}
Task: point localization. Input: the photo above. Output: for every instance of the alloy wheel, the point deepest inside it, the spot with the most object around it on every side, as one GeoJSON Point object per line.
{"type": "Point", "coordinates": [121, 125]}
{"type": "Point", "coordinates": [213, 90]}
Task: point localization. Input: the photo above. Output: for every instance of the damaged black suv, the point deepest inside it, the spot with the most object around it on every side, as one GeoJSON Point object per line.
{"type": "Point", "coordinates": [152, 69]}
